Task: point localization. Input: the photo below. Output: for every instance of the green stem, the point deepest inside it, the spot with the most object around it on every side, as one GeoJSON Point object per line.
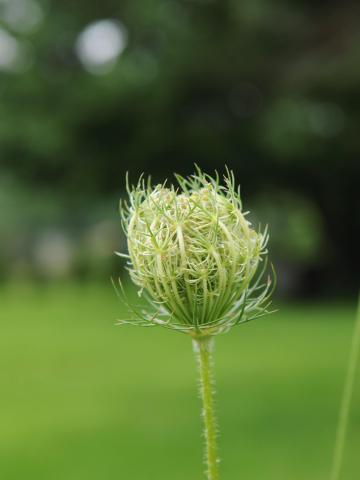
{"type": "Point", "coordinates": [203, 348]}
{"type": "Point", "coordinates": [346, 401]}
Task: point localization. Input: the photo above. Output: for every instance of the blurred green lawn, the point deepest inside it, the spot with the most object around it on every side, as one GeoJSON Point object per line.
{"type": "Point", "coordinates": [84, 399]}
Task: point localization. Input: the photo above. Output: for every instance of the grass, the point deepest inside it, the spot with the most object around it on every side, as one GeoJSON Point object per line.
{"type": "Point", "coordinates": [84, 399]}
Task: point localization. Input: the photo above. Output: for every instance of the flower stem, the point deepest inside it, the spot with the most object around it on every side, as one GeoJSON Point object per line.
{"type": "Point", "coordinates": [346, 401]}
{"type": "Point", "coordinates": [203, 348]}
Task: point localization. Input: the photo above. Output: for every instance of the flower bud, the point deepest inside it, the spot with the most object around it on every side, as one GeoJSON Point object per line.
{"type": "Point", "coordinates": [194, 254]}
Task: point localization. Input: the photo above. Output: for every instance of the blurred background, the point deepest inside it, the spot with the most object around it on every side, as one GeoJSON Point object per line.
{"type": "Point", "coordinates": [90, 90]}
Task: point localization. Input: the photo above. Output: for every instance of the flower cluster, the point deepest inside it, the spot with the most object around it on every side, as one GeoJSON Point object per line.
{"type": "Point", "coordinates": [194, 255]}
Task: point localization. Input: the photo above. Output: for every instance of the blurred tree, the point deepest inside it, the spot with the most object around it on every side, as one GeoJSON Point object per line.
{"type": "Point", "coordinates": [270, 88]}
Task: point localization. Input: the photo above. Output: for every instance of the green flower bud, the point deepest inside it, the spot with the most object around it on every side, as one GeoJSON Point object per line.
{"type": "Point", "coordinates": [194, 254]}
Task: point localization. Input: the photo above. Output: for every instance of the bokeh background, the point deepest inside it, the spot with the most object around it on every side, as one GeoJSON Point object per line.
{"type": "Point", "coordinates": [90, 90]}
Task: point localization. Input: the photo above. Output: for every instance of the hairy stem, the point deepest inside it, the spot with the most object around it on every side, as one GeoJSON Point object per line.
{"type": "Point", "coordinates": [346, 401]}
{"type": "Point", "coordinates": [203, 348]}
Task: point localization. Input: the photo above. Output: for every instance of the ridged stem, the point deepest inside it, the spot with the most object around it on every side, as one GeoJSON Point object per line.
{"type": "Point", "coordinates": [203, 348]}
{"type": "Point", "coordinates": [346, 401]}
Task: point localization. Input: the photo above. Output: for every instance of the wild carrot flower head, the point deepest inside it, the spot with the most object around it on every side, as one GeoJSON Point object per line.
{"type": "Point", "coordinates": [194, 255]}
